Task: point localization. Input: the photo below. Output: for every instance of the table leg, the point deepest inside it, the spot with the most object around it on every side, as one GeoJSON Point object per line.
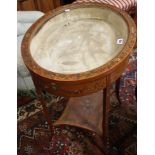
{"type": "Point", "coordinates": [45, 109]}
{"type": "Point", "coordinates": [117, 88]}
{"type": "Point", "coordinates": [105, 123]}
{"type": "Point", "coordinates": [136, 92]}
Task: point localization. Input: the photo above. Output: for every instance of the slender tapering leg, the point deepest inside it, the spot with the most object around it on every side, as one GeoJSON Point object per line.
{"type": "Point", "coordinates": [117, 88]}
{"type": "Point", "coordinates": [136, 92]}
{"type": "Point", "coordinates": [105, 124]}
{"type": "Point", "coordinates": [45, 110]}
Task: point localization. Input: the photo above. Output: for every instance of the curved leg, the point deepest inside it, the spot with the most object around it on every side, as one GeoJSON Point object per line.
{"type": "Point", "coordinates": [117, 88]}
{"type": "Point", "coordinates": [45, 110]}
{"type": "Point", "coordinates": [105, 124]}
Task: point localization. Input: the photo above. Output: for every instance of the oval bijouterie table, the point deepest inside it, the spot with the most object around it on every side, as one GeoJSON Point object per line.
{"type": "Point", "coordinates": [78, 51]}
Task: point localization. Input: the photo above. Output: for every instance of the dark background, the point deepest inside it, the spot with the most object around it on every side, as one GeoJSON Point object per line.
{"type": "Point", "coordinates": [67, 1]}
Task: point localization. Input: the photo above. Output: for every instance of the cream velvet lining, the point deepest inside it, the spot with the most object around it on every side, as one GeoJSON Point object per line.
{"type": "Point", "coordinates": [79, 40]}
